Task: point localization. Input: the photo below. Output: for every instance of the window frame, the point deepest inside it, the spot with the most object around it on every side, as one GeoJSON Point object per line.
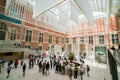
{"type": "Point", "coordinates": [50, 38]}
{"type": "Point", "coordinates": [41, 37]}
{"type": "Point", "coordinates": [115, 38]}
{"type": "Point", "coordinates": [57, 39]}
{"type": "Point", "coordinates": [74, 40]}
{"type": "Point", "coordinates": [82, 39]}
{"type": "Point", "coordinates": [29, 36]}
{"type": "Point", "coordinates": [90, 39]}
{"type": "Point", "coordinates": [101, 39]}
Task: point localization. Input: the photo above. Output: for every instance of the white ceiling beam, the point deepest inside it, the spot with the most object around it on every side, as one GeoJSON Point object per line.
{"type": "Point", "coordinates": [83, 6]}
{"type": "Point", "coordinates": [49, 8]}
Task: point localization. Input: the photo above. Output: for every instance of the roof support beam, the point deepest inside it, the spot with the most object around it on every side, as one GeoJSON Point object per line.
{"type": "Point", "coordinates": [49, 8]}
{"type": "Point", "coordinates": [83, 6]}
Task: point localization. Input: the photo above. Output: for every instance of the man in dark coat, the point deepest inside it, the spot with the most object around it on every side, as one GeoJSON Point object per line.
{"type": "Point", "coordinates": [24, 68]}
{"type": "Point", "coordinates": [75, 72]}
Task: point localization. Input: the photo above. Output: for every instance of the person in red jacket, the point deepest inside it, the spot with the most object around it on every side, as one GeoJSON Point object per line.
{"type": "Point", "coordinates": [16, 63]}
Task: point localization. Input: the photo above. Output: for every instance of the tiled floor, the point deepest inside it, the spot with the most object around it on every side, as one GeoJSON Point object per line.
{"type": "Point", "coordinates": [96, 73]}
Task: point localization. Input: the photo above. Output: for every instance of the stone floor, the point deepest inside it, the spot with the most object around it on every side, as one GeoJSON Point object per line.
{"type": "Point", "coordinates": [96, 73]}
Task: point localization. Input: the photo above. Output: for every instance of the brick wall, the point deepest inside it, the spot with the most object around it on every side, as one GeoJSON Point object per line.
{"type": "Point", "coordinates": [2, 6]}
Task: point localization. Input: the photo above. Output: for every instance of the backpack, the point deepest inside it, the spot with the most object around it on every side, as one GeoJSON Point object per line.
{"type": "Point", "coordinates": [88, 69]}
{"type": "Point", "coordinates": [81, 71]}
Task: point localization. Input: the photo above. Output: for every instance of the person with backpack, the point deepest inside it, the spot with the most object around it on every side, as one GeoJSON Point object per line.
{"type": "Point", "coordinates": [10, 62]}
{"type": "Point", "coordinates": [88, 69]}
{"type": "Point", "coordinates": [21, 63]}
{"type": "Point", "coordinates": [24, 68]}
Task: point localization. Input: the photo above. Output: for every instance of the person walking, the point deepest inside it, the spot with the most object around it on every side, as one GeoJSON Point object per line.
{"type": "Point", "coordinates": [40, 66]}
{"type": "Point", "coordinates": [8, 70]}
{"type": "Point", "coordinates": [3, 62]}
{"type": "Point", "coordinates": [47, 68]}
{"type": "Point", "coordinates": [88, 69]}
{"type": "Point", "coordinates": [16, 63]}
{"type": "Point", "coordinates": [10, 62]}
{"type": "Point", "coordinates": [21, 63]}
{"type": "Point", "coordinates": [24, 68]}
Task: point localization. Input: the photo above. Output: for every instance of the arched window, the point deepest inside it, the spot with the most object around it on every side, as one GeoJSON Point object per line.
{"type": "Point", "coordinates": [3, 29]}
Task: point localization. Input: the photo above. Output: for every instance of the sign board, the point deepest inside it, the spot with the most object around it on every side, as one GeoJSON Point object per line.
{"type": "Point", "coordinates": [100, 54]}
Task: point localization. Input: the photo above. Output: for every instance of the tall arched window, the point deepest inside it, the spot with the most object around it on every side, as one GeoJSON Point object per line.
{"type": "Point", "coordinates": [3, 29]}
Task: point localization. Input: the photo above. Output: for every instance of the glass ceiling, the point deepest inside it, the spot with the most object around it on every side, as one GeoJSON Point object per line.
{"type": "Point", "coordinates": [63, 14]}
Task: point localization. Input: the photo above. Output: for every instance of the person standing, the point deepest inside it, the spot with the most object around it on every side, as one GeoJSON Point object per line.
{"type": "Point", "coordinates": [8, 70]}
{"type": "Point", "coordinates": [70, 73]}
{"type": "Point", "coordinates": [81, 72]}
{"type": "Point", "coordinates": [43, 68]}
{"type": "Point", "coordinates": [47, 68]}
{"type": "Point", "coordinates": [88, 69]}
{"type": "Point", "coordinates": [24, 68]}
{"type": "Point", "coordinates": [40, 66]}
{"type": "Point", "coordinates": [32, 63]}
{"type": "Point", "coordinates": [75, 72]}
{"type": "Point", "coordinates": [57, 68]}
{"type": "Point", "coordinates": [51, 63]}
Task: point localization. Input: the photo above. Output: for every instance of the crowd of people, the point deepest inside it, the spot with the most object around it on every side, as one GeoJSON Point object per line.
{"type": "Point", "coordinates": [56, 62]}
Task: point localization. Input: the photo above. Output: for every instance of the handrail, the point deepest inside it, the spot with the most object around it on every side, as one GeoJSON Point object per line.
{"type": "Point", "coordinates": [112, 52]}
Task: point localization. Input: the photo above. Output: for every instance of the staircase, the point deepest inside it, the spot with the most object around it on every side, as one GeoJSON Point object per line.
{"type": "Point", "coordinates": [14, 46]}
